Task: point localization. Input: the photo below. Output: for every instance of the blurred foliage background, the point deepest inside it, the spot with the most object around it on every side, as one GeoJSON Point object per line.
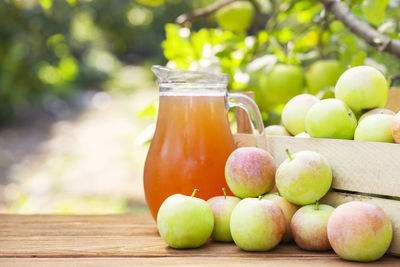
{"type": "Point", "coordinates": [78, 102]}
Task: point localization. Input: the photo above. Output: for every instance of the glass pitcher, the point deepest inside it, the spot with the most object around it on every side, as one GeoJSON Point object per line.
{"type": "Point", "coordinates": [193, 139]}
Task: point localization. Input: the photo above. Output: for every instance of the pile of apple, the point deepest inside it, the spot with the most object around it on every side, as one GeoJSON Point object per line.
{"type": "Point", "coordinates": [356, 112]}
{"type": "Point", "coordinates": [257, 220]}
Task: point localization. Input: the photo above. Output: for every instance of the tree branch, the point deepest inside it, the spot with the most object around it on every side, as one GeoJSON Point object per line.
{"type": "Point", "coordinates": [202, 12]}
{"type": "Point", "coordinates": [376, 39]}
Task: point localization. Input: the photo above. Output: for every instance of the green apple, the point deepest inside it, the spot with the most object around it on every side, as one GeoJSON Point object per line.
{"type": "Point", "coordinates": [222, 207]}
{"type": "Point", "coordinates": [250, 172]}
{"type": "Point", "coordinates": [304, 178]}
{"type": "Point", "coordinates": [288, 209]}
{"type": "Point", "coordinates": [309, 225]}
{"type": "Point", "coordinates": [375, 128]}
{"type": "Point", "coordinates": [295, 111]}
{"type": "Point", "coordinates": [276, 130]}
{"type": "Point", "coordinates": [376, 111]}
{"type": "Point", "coordinates": [302, 135]}
{"type": "Point", "coordinates": [185, 221]}
{"type": "Point", "coordinates": [396, 128]}
{"type": "Point", "coordinates": [282, 83]}
{"type": "Point", "coordinates": [331, 118]}
{"type": "Point", "coordinates": [359, 231]}
{"type": "Point", "coordinates": [236, 17]}
{"type": "Point", "coordinates": [362, 88]}
{"type": "Point", "coordinates": [257, 224]}
{"type": "Point", "coordinates": [321, 74]}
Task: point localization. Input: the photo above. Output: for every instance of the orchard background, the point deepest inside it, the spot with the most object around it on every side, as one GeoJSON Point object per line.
{"type": "Point", "coordinates": [78, 101]}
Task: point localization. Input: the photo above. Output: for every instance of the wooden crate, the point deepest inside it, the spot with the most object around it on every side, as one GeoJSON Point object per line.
{"type": "Point", "coordinates": [359, 167]}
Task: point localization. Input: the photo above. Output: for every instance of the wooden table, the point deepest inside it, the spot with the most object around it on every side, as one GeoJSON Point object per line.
{"type": "Point", "coordinates": [130, 239]}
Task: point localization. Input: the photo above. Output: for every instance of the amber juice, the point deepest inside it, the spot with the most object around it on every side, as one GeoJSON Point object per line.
{"type": "Point", "coordinates": [190, 147]}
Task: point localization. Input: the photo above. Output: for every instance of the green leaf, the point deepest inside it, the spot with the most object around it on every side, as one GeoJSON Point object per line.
{"type": "Point", "coordinates": [374, 10]}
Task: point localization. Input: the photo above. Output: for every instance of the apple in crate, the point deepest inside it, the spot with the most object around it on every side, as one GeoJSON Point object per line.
{"type": "Point", "coordinates": [331, 118]}
{"type": "Point", "coordinates": [304, 178]}
{"type": "Point", "coordinates": [309, 225]}
{"type": "Point", "coordinates": [361, 88]}
{"type": "Point", "coordinates": [288, 209]}
{"type": "Point", "coordinates": [222, 207]}
{"type": "Point", "coordinates": [257, 224]}
{"type": "Point", "coordinates": [376, 111]}
{"type": "Point", "coordinates": [276, 130]}
{"type": "Point", "coordinates": [295, 111]}
{"type": "Point", "coordinates": [185, 221]}
{"type": "Point", "coordinates": [375, 128]}
{"type": "Point", "coordinates": [359, 231]}
{"type": "Point", "coordinates": [250, 172]}
{"type": "Point", "coordinates": [396, 128]}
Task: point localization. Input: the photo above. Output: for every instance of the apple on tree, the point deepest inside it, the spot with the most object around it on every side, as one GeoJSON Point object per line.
{"type": "Point", "coordinates": [222, 207]}
{"type": "Point", "coordinates": [236, 17]}
{"type": "Point", "coordinates": [321, 74]}
{"type": "Point", "coordinates": [185, 221]}
{"type": "Point", "coordinates": [257, 224]}
{"type": "Point", "coordinates": [304, 178]}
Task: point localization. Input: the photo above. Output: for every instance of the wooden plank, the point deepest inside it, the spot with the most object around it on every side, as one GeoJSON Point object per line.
{"type": "Point", "coordinates": [192, 261]}
{"type": "Point", "coordinates": [393, 102]}
{"type": "Point", "coordinates": [368, 167]}
{"type": "Point", "coordinates": [105, 236]}
{"type": "Point", "coordinates": [391, 208]}
{"type": "Point", "coordinates": [65, 240]}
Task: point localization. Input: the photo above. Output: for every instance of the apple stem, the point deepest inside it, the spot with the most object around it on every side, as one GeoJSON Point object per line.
{"type": "Point", "coordinates": [223, 189]}
{"type": "Point", "coordinates": [260, 197]}
{"type": "Point", "coordinates": [290, 156]}
{"type": "Point", "coordinates": [194, 192]}
{"type": "Point", "coordinates": [316, 205]}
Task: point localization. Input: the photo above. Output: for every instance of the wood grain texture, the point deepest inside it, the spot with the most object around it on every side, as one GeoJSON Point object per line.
{"type": "Point", "coordinates": [368, 167]}
{"type": "Point", "coordinates": [391, 208]}
{"type": "Point", "coordinates": [131, 239]}
{"type": "Point", "coordinates": [393, 102]}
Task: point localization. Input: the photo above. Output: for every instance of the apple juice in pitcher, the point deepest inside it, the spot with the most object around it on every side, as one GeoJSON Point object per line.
{"type": "Point", "coordinates": [193, 139]}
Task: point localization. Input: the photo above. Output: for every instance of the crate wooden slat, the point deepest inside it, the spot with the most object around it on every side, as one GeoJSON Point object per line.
{"type": "Point", "coordinates": [365, 167]}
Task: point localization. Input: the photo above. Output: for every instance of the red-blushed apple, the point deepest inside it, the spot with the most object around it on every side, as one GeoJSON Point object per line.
{"type": "Point", "coordinates": [250, 172]}
{"type": "Point", "coordinates": [396, 128]}
{"type": "Point", "coordinates": [295, 111]}
{"type": "Point", "coordinates": [222, 207]}
{"type": "Point", "coordinates": [288, 209]}
{"type": "Point", "coordinates": [376, 111]}
{"type": "Point", "coordinates": [309, 225]}
{"type": "Point", "coordinates": [276, 130]}
{"type": "Point", "coordinates": [304, 178]}
{"type": "Point", "coordinates": [185, 221]}
{"type": "Point", "coordinates": [257, 224]}
{"type": "Point", "coordinates": [375, 128]}
{"type": "Point", "coordinates": [359, 231]}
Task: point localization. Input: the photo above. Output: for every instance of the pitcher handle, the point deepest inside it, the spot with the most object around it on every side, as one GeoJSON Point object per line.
{"type": "Point", "coordinates": [246, 103]}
